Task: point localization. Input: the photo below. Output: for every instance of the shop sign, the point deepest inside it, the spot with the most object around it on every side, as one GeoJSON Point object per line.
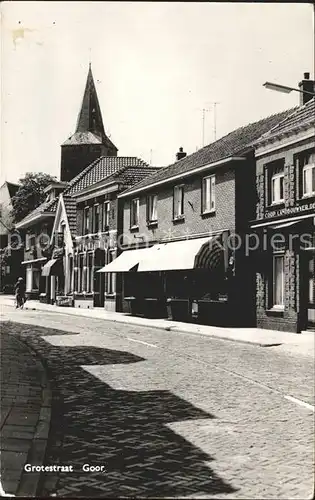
{"type": "Point", "coordinates": [64, 301]}
{"type": "Point", "coordinates": [290, 210]}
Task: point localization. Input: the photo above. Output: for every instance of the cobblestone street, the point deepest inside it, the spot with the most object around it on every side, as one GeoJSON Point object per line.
{"type": "Point", "coordinates": [169, 414]}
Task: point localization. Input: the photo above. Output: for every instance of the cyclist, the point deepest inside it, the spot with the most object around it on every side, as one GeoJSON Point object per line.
{"type": "Point", "coordinates": [20, 293]}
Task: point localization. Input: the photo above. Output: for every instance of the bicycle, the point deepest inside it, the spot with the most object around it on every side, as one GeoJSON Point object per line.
{"type": "Point", "coordinates": [19, 302]}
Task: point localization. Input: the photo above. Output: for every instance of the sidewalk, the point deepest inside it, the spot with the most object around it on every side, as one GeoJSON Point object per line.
{"type": "Point", "coordinates": [25, 416]}
{"type": "Point", "coordinates": [302, 344]}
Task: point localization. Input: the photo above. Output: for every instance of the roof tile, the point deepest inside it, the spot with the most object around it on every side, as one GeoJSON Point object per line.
{"type": "Point", "coordinates": [235, 143]}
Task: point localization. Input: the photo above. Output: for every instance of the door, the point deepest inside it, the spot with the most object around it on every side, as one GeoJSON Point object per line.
{"type": "Point", "coordinates": [311, 292]}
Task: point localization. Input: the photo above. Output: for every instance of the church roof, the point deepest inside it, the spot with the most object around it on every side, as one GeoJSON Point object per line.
{"type": "Point", "coordinates": [89, 127]}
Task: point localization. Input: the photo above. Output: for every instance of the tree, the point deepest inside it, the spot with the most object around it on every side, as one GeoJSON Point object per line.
{"type": "Point", "coordinates": [30, 194]}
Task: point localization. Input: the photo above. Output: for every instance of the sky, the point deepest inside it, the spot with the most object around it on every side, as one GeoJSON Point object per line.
{"type": "Point", "coordinates": [156, 66]}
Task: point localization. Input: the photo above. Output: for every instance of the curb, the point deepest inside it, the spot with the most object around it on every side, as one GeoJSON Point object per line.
{"type": "Point", "coordinates": [29, 482]}
{"type": "Point", "coordinates": [165, 328]}
{"type": "Point", "coordinates": [168, 328]}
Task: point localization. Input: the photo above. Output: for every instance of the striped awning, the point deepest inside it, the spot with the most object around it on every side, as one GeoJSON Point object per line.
{"type": "Point", "coordinates": [52, 268]}
{"type": "Point", "coordinates": [127, 261]}
{"type": "Point", "coordinates": [202, 253]}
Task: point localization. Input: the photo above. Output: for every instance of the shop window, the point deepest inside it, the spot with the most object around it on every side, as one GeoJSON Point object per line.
{"type": "Point", "coordinates": [110, 277]}
{"type": "Point", "coordinates": [89, 278]}
{"type": "Point", "coordinates": [152, 208]}
{"type": "Point", "coordinates": [75, 279]}
{"type": "Point", "coordinates": [208, 194]}
{"type": "Point", "coordinates": [178, 202]}
{"type": "Point", "coordinates": [96, 218]}
{"type": "Point", "coordinates": [134, 212]}
{"type": "Point", "coordinates": [36, 278]}
{"type": "Point", "coordinates": [278, 281]}
{"type": "Point", "coordinates": [106, 213]}
{"type": "Point", "coordinates": [29, 279]}
{"type": "Point", "coordinates": [70, 274]}
{"type": "Point", "coordinates": [80, 272]}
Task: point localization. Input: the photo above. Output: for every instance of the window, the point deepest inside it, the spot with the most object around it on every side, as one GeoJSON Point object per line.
{"type": "Point", "coordinates": [152, 208]}
{"type": "Point", "coordinates": [110, 281]}
{"type": "Point", "coordinates": [277, 187]}
{"type": "Point", "coordinates": [278, 281]}
{"type": "Point", "coordinates": [308, 176]}
{"type": "Point", "coordinates": [30, 241]}
{"type": "Point", "coordinates": [80, 273]}
{"type": "Point", "coordinates": [89, 278]}
{"type": "Point", "coordinates": [178, 202]}
{"type": "Point", "coordinates": [106, 212]}
{"type": "Point", "coordinates": [134, 212]}
{"type": "Point", "coordinates": [86, 220]}
{"type": "Point", "coordinates": [208, 194]}
{"type": "Point", "coordinates": [96, 218]}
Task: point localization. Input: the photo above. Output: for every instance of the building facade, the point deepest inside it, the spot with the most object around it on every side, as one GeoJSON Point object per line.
{"type": "Point", "coordinates": [99, 226]}
{"type": "Point", "coordinates": [284, 225]}
{"type": "Point", "coordinates": [11, 253]}
{"type": "Point", "coordinates": [183, 234]}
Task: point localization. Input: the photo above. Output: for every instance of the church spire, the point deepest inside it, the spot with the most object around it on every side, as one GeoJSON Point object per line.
{"type": "Point", "coordinates": [89, 141]}
{"type": "Point", "coordinates": [90, 116]}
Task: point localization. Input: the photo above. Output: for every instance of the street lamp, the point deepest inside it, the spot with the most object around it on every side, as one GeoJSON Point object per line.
{"type": "Point", "coordinates": [284, 89]}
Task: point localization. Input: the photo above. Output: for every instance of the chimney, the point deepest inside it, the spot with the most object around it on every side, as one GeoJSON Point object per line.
{"type": "Point", "coordinates": [306, 85]}
{"type": "Point", "coordinates": [180, 154]}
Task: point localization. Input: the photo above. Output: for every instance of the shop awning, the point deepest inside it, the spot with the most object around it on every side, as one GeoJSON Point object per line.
{"type": "Point", "coordinates": [128, 260]}
{"type": "Point", "coordinates": [204, 253]}
{"type": "Point", "coordinates": [34, 261]}
{"type": "Point", "coordinates": [286, 224]}
{"type": "Point", "coordinates": [51, 268]}
{"type": "Point", "coordinates": [282, 222]}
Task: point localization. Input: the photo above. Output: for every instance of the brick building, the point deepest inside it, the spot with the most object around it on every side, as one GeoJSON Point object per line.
{"type": "Point", "coordinates": [284, 225]}
{"type": "Point", "coordinates": [99, 226]}
{"type": "Point", "coordinates": [176, 228]}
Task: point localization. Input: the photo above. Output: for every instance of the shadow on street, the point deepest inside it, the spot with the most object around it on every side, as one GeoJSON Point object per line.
{"type": "Point", "coordinates": [123, 430]}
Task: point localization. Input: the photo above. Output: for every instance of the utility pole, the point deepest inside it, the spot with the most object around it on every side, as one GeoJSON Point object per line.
{"type": "Point", "coordinates": [150, 156]}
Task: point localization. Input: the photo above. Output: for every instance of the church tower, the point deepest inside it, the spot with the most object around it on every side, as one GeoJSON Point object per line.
{"type": "Point", "coordinates": [89, 141]}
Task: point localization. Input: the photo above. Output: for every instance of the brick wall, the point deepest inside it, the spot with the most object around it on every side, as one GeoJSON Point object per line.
{"type": "Point", "coordinates": [76, 158]}
{"type": "Point", "coordinates": [113, 215]}
{"type": "Point", "coordinates": [292, 318]}
{"type": "Point", "coordinates": [195, 222]}
{"type": "Point", "coordinates": [291, 177]}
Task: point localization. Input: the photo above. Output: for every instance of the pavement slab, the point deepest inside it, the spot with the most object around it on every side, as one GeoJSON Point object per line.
{"type": "Point", "coordinates": [21, 403]}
